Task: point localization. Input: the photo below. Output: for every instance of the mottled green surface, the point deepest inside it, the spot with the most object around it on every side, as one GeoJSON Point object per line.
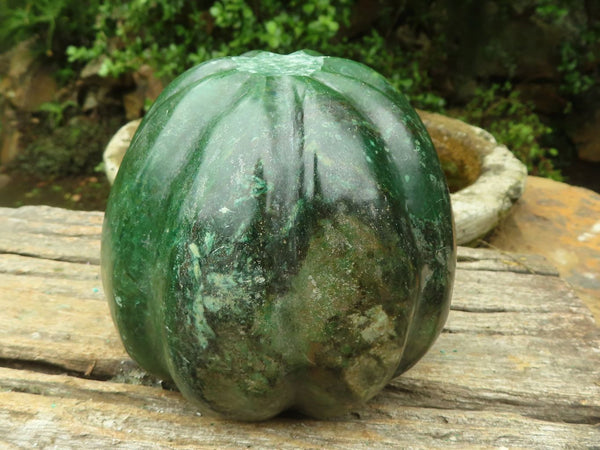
{"type": "Point", "coordinates": [279, 236]}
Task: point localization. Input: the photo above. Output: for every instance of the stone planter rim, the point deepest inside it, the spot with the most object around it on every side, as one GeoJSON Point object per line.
{"type": "Point", "coordinates": [479, 207]}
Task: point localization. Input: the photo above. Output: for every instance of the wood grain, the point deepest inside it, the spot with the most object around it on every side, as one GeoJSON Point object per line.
{"type": "Point", "coordinates": [518, 363]}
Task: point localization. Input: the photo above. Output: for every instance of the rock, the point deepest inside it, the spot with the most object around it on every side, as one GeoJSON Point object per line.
{"type": "Point", "coordinates": [10, 136]}
{"type": "Point", "coordinates": [99, 91]}
{"type": "Point", "coordinates": [562, 223]}
{"type": "Point", "coordinates": [91, 69]}
{"type": "Point", "coordinates": [97, 95]}
{"type": "Point", "coordinates": [90, 102]}
{"type": "Point", "coordinates": [545, 97]}
{"type": "Point", "coordinates": [495, 47]}
{"type": "Point", "coordinates": [587, 138]}
{"type": "Point", "coordinates": [24, 86]}
{"type": "Point", "coordinates": [147, 87]}
{"type": "Point", "coordinates": [116, 148]}
{"type": "Point", "coordinates": [533, 47]}
{"type": "Point", "coordinates": [27, 83]}
{"type": "Point", "coordinates": [4, 180]}
{"type": "Point", "coordinates": [10, 145]}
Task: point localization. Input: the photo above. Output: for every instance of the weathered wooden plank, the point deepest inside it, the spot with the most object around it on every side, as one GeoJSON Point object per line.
{"type": "Point", "coordinates": [528, 366]}
{"type": "Point", "coordinates": [60, 309]}
{"type": "Point", "coordinates": [51, 218]}
{"type": "Point", "coordinates": [483, 259]}
{"type": "Point", "coordinates": [51, 233]}
{"type": "Point", "coordinates": [518, 363]}
{"type": "Point", "coordinates": [550, 380]}
{"type": "Point", "coordinates": [15, 264]}
{"type": "Point", "coordinates": [554, 374]}
{"type": "Point", "coordinates": [65, 412]}
{"type": "Point", "coordinates": [494, 291]}
{"type": "Point", "coordinates": [56, 233]}
{"type": "Point", "coordinates": [54, 313]}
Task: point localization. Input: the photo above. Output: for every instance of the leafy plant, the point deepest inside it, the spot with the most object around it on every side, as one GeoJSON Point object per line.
{"type": "Point", "coordinates": [407, 71]}
{"type": "Point", "coordinates": [514, 123]}
{"type": "Point", "coordinates": [56, 111]}
{"type": "Point", "coordinates": [576, 80]}
{"type": "Point", "coordinates": [22, 21]}
{"type": "Point", "coordinates": [551, 10]}
{"type": "Point", "coordinates": [55, 22]}
{"type": "Point", "coordinates": [131, 33]}
{"type": "Point", "coordinates": [579, 50]}
{"type": "Point", "coordinates": [417, 45]}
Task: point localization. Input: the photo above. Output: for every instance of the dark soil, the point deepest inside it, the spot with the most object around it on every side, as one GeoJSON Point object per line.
{"type": "Point", "coordinates": [88, 193]}
{"type": "Point", "coordinates": [584, 174]}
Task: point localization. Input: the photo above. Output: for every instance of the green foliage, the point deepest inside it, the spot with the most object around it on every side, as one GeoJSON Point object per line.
{"type": "Point", "coordinates": [22, 21]}
{"type": "Point", "coordinates": [428, 50]}
{"type": "Point", "coordinates": [515, 124]}
{"type": "Point", "coordinates": [574, 58]}
{"type": "Point", "coordinates": [56, 111]}
{"type": "Point", "coordinates": [551, 10]}
{"type": "Point", "coordinates": [407, 71]}
{"type": "Point", "coordinates": [129, 34]}
{"type": "Point", "coordinates": [54, 22]}
{"type": "Point", "coordinates": [580, 50]}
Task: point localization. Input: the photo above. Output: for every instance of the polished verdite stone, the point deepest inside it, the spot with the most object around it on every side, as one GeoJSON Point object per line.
{"type": "Point", "coordinates": [279, 235]}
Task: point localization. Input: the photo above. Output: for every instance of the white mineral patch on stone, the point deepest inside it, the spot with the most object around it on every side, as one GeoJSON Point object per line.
{"type": "Point", "coordinates": [297, 63]}
{"type": "Point", "coordinates": [379, 326]}
{"type": "Point", "coordinates": [591, 234]}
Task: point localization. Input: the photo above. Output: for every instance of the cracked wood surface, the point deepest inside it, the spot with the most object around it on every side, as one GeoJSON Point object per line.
{"type": "Point", "coordinates": [518, 363]}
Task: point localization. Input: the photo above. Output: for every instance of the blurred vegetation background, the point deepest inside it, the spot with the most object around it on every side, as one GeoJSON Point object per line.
{"type": "Point", "coordinates": [72, 72]}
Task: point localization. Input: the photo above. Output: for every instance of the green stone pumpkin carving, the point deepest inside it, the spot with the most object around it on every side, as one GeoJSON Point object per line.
{"type": "Point", "coordinates": [279, 235]}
